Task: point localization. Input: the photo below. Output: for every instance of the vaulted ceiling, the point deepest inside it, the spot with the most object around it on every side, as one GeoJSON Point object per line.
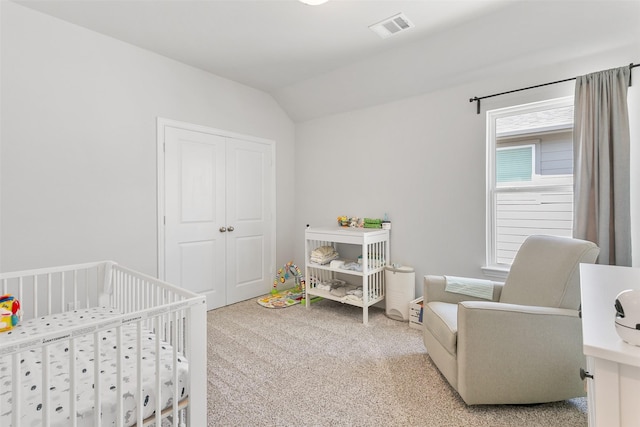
{"type": "Point", "coordinates": [320, 60]}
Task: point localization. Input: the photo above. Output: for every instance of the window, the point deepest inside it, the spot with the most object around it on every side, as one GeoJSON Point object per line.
{"type": "Point", "coordinates": [529, 177]}
{"type": "Point", "coordinates": [514, 164]}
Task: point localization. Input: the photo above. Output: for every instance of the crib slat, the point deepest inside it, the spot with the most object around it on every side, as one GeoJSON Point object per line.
{"type": "Point", "coordinates": [159, 327]}
{"type": "Point", "coordinates": [35, 296]}
{"type": "Point", "coordinates": [87, 287]}
{"type": "Point", "coordinates": [49, 292]}
{"type": "Point", "coordinates": [20, 290]}
{"type": "Point", "coordinates": [119, 388]}
{"type": "Point", "coordinates": [46, 395]}
{"type": "Point", "coordinates": [130, 295]}
{"type": "Point", "coordinates": [62, 286]}
{"type": "Point", "coordinates": [97, 420]}
{"type": "Point", "coordinates": [16, 388]}
{"type": "Point", "coordinates": [140, 407]}
{"type": "Point", "coordinates": [174, 342]}
{"type": "Point", "coordinates": [75, 290]}
{"type": "Point", "coordinates": [72, 383]}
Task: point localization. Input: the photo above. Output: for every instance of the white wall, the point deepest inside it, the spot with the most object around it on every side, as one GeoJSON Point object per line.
{"type": "Point", "coordinates": [78, 150]}
{"type": "Point", "coordinates": [422, 161]}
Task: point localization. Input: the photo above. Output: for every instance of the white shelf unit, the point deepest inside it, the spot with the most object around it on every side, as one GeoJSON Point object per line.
{"type": "Point", "coordinates": [371, 244]}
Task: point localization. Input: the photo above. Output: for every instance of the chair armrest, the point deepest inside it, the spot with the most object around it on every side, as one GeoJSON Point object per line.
{"type": "Point", "coordinates": [524, 349]}
{"type": "Point", "coordinates": [434, 290]}
{"type": "Point", "coordinates": [488, 306]}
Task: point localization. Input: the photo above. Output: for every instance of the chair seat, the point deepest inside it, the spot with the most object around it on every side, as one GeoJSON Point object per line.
{"type": "Point", "coordinates": [441, 319]}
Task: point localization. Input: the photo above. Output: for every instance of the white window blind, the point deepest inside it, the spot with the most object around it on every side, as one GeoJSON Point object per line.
{"type": "Point", "coordinates": [514, 164]}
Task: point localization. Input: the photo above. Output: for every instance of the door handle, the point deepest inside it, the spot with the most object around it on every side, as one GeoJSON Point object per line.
{"type": "Point", "coordinates": [230, 228]}
{"type": "Point", "coordinates": [222, 229]}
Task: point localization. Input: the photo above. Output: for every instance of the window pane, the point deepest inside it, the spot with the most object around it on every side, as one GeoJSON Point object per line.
{"type": "Point", "coordinates": [514, 164]}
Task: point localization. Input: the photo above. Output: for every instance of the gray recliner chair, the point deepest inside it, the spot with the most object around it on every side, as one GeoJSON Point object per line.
{"type": "Point", "coordinates": [525, 345]}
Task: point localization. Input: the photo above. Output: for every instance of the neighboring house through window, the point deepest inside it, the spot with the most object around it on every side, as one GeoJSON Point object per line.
{"type": "Point", "coordinates": [529, 177]}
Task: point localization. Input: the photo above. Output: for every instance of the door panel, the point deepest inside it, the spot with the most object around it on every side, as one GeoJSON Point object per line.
{"type": "Point", "coordinates": [249, 212]}
{"type": "Point", "coordinates": [250, 253]}
{"type": "Point", "coordinates": [198, 182]}
{"type": "Point", "coordinates": [195, 254]}
{"type": "Point", "coordinates": [197, 271]}
{"type": "Point", "coordinates": [249, 169]}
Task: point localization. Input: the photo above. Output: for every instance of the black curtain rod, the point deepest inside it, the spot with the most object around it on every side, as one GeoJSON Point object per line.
{"type": "Point", "coordinates": [477, 99]}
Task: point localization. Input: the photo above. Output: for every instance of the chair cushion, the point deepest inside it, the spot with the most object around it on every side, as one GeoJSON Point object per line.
{"type": "Point", "coordinates": [441, 319]}
{"type": "Point", "coordinates": [545, 272]}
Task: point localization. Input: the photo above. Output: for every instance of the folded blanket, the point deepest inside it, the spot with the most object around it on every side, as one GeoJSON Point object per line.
{"type": "Point", "coordinates": [324, 260]}
{"type": "Point", "coordinates": [323, 251]}
{"type": "Point", "coordinates": [339, 292]}
{"type": "Point", "coordinates": [352, 266]}
{"type": "Point", "coordinates": [478, 288]}
{"type": "Point", "coordinates": [323, 255]}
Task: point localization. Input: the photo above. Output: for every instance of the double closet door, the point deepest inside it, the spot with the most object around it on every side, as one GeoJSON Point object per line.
{"type": "Point", "coordinates": [219, 220]}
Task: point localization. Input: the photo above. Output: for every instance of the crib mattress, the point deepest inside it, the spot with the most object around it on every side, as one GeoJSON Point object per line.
{"type": "Point", "coordinates": [31, 372]}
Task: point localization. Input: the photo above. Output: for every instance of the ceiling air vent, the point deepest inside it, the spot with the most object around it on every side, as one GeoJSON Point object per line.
{"type": "Point", "coordinates": [391, 26]}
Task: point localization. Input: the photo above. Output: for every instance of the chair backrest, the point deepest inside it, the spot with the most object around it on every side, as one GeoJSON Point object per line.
{"type": "Point", "coordinates": [545, 272]}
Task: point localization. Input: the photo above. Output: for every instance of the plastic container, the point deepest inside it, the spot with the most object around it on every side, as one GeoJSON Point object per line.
{"type": "Point", "coordinates": [400, 287]}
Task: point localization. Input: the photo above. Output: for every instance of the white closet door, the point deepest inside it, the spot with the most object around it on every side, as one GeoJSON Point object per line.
{"type": "Point", "coordinates": [249, 213]}
{"type": "Point", "coordinates": [195, 255]}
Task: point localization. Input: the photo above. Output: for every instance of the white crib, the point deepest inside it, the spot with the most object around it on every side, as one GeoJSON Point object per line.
{"type": "Point", "coordinates": [100, 335]}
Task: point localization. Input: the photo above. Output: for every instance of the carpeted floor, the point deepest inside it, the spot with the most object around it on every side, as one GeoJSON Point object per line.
{"type": "Point", "coordinates": [323, 367]}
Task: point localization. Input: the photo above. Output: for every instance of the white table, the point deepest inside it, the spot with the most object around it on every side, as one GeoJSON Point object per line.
{"type": "Point", "coordinates": [614, 390]}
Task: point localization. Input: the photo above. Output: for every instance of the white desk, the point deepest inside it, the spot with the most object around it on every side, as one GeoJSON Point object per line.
{"type": "Point", "coordinates": [614, 391]}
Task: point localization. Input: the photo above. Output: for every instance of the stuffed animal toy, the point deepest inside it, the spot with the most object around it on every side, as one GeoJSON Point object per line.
{"type": "Point", "coordinates": [10, 312]}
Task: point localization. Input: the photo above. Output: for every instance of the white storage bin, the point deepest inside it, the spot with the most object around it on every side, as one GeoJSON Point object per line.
{"type": "Point", "coordinates": [400, 290]}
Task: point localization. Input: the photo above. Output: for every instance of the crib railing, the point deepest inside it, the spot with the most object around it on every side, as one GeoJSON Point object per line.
{"type": "Point", "coordinates": [176, 316]}
{"type": "Point", "coordinates": [55, 290]}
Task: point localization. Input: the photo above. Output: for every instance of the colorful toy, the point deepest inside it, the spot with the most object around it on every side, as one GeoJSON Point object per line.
{"type": "Point", "coordinates": [353, 222]}
{"type": "Point", "coordinates": [288, 297]}
{"type": "Point", "coordinates": [10, 312]}
{"type": "Point", "coordinates": [284, 273]}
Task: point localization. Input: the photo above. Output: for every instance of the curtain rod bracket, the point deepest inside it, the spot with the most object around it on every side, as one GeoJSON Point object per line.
{"type": "Point", "coordinates": [477, 100]}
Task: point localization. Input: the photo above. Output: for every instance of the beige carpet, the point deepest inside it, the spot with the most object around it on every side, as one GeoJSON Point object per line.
{"type": "Point", "coordinates": [323, 367]}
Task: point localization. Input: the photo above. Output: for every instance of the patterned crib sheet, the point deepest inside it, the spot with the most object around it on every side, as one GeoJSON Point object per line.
{"type": "Point", "coordinates": [59, 380]}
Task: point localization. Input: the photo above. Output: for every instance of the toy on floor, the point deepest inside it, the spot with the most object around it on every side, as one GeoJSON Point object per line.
{"type": "Point", "coordinates": [287, 297]}
{"type": "Point", "coordinates": [10, 312]}
{"type": "Point", "coordinates": [284, 273]}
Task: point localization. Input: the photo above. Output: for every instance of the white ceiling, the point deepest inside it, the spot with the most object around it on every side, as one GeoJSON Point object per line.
{"type": "Point", "coordinates": [319, 60]}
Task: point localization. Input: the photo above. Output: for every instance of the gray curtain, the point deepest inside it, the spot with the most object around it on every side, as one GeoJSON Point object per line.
{"type": "Point", "coordinates": [601, 164]}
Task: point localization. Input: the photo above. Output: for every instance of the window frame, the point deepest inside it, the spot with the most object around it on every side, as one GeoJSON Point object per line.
{"type": "Point", "coordinates": [492, 268]}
